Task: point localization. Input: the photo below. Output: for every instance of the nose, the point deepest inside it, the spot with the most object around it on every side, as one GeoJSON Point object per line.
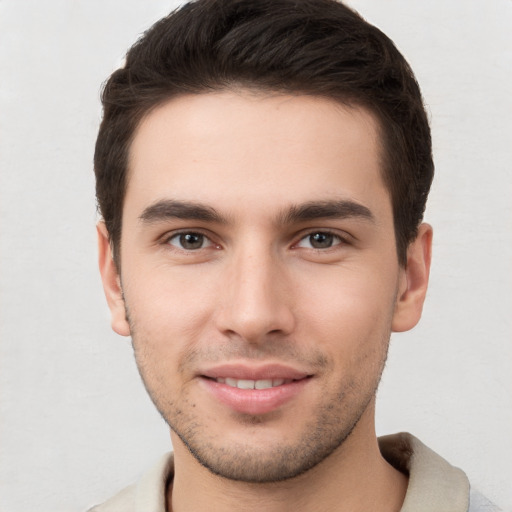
{"type": "Point", "coordinates": [256, 299]}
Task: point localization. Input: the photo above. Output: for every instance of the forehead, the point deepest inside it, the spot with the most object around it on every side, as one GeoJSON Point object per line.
{"type": "Point", "coordinates": [267, 150]}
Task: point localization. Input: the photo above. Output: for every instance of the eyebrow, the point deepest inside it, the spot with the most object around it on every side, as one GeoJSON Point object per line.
{"type": "Point", "coordinates": [172, 209]}
{"type": "Point", "coordinates": [333, 209]}
{"type": "Point", "coordinates": [188, 210]}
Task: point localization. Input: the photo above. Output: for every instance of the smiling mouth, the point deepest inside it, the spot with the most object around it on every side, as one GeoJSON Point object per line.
{"type": "Point", "coordinates": [252, 384]}
{"type": "Point", "coordinates": [255, 396]}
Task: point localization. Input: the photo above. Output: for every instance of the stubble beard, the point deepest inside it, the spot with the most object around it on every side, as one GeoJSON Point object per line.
{"type": "Point", "coordinates": [331, 424]}
{"type": "Point", "coordinates": [283, 461]}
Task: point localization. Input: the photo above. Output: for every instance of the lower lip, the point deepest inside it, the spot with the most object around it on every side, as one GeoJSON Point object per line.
{"type": "Point", "coordinates": [254, 401]}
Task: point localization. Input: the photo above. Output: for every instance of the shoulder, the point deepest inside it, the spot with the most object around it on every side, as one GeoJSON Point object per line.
{"type": "Point", "coordinates": [146, 495]}
{"type": "Point", "coordinates": [123, 501]}
{"type": "Point", "coordinates": [434, 484]}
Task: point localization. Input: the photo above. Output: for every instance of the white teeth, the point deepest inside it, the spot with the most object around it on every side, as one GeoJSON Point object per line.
{"type": "Point", "coordinates": [246, 384]}
{"type": "Point", "coordinates": [252, 384]}
{"type": "Point", "coordinates": [263, 384]}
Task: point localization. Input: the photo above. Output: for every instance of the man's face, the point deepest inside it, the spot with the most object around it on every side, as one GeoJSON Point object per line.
{"type": "Point", "coordinates": [258, 251]}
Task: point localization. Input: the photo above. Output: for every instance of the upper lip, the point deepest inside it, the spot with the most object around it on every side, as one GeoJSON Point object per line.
{"type": "Point", "coordinates": [253, 372]}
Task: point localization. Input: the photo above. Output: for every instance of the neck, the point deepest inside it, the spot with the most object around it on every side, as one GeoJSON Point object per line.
{"type": "Point", "coordinates": [353, 478]}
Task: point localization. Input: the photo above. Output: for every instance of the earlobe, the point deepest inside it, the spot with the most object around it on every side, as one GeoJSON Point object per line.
{"type": "Point", "coordinates": [111, 282]}
{"type": "Point", "coordinates": [413, 288]}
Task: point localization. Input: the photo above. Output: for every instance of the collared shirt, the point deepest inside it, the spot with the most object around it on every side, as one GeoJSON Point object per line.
{"type": "Point", "coordinates": [434, 484]}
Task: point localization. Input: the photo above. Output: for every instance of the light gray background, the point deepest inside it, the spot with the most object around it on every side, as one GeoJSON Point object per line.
{"type": "Point", "coordinates": [76, 424]}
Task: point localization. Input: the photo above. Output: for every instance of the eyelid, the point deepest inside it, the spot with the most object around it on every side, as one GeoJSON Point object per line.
{"type": "Point", "coordinates": [167, 237]}
{"type": "Point", "coordinates": [344, 238]}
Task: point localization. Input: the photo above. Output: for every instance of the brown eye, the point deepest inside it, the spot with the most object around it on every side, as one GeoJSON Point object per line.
{"type": "Point", "coordinates": [189, 241]}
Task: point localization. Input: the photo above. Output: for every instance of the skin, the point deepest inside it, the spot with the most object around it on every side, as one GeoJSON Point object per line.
{"type": "Point", "coordinates": [255, 284]}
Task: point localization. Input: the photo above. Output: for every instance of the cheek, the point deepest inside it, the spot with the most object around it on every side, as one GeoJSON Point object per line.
{"type": "Point", "coordinates": [348, 310]}
{"type": "Point", "coordinates": [167, 306]}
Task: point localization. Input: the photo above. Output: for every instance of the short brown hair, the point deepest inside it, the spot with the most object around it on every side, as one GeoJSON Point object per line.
{"type": "Point", "coordinates": [313, 47]}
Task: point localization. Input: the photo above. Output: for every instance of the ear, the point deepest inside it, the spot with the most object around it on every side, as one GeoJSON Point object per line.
{"type": "Point", "coordinates": [413, 281]}
{"type": "Point", "coordinates": [111, 282]}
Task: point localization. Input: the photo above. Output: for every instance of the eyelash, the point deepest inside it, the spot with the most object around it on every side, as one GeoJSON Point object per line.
{"type": "Point", "coordinates": [167, 239]}
{"type": "Point", "coordinates": [339, 238]}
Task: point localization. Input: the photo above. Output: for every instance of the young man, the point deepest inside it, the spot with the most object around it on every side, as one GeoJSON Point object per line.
{"type": "Point", "coordinates": [262, 172]}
